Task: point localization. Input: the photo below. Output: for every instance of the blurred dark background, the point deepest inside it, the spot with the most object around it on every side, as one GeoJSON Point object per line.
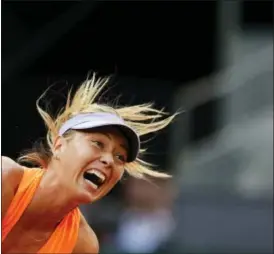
{"type": "Point", "coordinates": [213, 59]}
{"type": "Point", "coordinates": [149, 47]}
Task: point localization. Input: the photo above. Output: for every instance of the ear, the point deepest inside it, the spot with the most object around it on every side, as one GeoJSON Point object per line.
{"type": "Point", "coordinates": [59, 144]}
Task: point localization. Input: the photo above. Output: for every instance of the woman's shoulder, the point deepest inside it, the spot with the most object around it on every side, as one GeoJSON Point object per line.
{"type": "Point", "coordinates": [12, 174]}
{"type": "Point", "coordinates": [11, 170]}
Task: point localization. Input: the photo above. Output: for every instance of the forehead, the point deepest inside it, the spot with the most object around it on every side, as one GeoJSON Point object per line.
{"type": "Point", "coordinates": [112, 131]}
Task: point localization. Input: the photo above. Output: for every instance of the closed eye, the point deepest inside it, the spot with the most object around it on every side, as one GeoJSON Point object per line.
{"type": "Point", "coordinates": [98, 144]}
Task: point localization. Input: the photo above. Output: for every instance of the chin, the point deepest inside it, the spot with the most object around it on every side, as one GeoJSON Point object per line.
{"type": "Point", "coordinates": [87, 198]}
{"type": "Point", "coordinates": [91, 193]}
{"type": "Point", "coordinates": [91, 196]}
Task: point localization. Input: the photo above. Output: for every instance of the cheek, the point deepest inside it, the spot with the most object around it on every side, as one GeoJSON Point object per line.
{"type": "Point", "coordinates": [80, 154]}
{"type": "Point", "coordinates": [117, 174]}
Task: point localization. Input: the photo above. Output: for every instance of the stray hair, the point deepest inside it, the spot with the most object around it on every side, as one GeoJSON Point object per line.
{"type": "Point", "coordinates": [143, 118]}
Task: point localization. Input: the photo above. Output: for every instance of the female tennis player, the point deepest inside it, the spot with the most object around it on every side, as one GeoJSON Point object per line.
{"type": "Point", "coordinates": [89, 147]}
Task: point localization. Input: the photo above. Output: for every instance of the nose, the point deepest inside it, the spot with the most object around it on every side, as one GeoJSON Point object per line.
{"type": "Point", "coordinates": [107, 159]}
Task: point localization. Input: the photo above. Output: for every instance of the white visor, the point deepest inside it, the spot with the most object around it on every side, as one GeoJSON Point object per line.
{"type": "Point", "coordinates": [95, 120]}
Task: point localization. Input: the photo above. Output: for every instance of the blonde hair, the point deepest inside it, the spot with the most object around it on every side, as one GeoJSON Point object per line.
{"type": "Point", "coordinates": [142, 118]}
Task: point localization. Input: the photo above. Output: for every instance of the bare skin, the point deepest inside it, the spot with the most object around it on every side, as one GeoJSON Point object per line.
{"type": "Point", "coordinates": [63, 188]}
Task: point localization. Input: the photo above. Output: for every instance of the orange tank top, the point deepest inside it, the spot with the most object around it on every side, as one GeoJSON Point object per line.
{"type": "Point", "coordinates": [63, 239]}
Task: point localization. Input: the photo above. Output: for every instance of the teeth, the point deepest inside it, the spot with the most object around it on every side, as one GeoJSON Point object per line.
{"type": "Point", "coordinates": [97, 173]}
{"type": "Point", "coordinates": [93, 185]}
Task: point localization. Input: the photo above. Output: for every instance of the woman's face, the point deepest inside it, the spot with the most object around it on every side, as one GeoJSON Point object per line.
{"type": "Point", "coordinates": [92, 162]}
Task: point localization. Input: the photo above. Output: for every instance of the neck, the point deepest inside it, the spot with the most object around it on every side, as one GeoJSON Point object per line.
{"type": "Point", "coordinates": [53, 200]}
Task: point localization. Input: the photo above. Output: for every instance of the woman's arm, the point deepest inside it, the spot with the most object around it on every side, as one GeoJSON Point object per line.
{"type": "Point", "coordinates": [12, 173]}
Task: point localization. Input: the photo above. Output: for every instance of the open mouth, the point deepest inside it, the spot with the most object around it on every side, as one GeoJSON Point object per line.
{"type": "Point", "coordinates": [95, 177]}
